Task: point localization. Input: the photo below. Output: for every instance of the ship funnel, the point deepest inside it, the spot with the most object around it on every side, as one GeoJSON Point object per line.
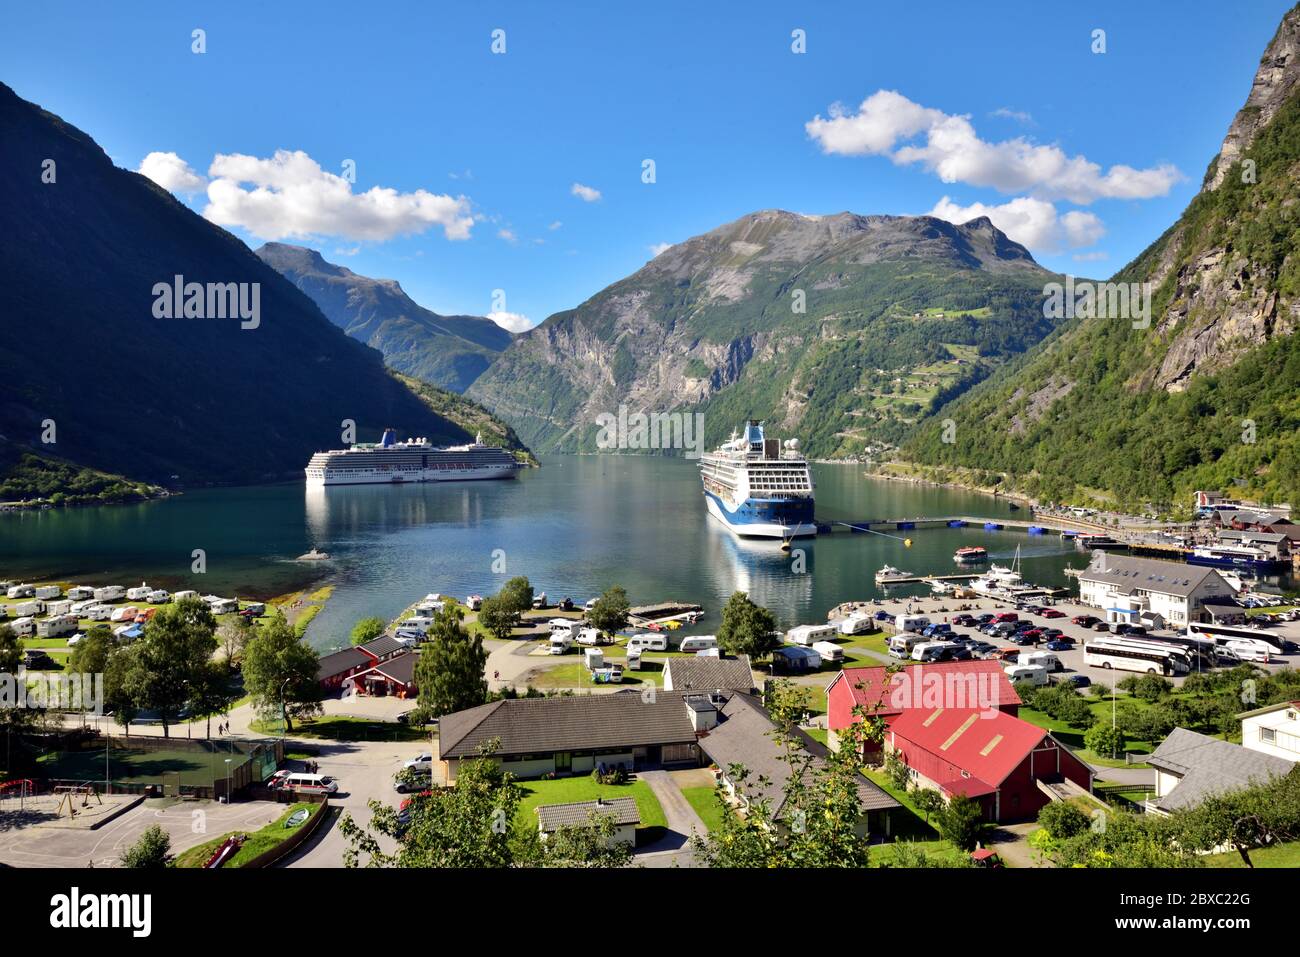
{"type": "Point", "coordinates": [389, 439]}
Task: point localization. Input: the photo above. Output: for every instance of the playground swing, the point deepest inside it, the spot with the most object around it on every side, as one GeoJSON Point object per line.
{"type": "Point", "coordinates": [67, 797]}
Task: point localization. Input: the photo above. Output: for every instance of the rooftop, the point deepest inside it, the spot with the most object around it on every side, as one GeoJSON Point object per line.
{"type": "Point", "coordinates": [907, 687]}
{"type": "Point", "coordinates": [709, 674]}
{"type": "Point", "coordinates": [552, 817]}
{"type": "Point", "coordinates": [1209, 766]}
{"type": "Point", "coordinates": [1150, 574]}
{"type": "Point", "coordinates": [985, 744]}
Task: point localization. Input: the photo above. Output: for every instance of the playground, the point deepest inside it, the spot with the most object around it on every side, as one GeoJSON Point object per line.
{"type": "Point", "coordinates": [132, 767]}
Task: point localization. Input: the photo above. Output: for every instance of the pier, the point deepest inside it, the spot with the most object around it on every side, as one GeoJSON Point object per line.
{"type": "Point", "coordinates": [1045, 525]}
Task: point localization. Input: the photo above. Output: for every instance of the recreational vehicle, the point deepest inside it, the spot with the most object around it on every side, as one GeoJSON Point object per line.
{"type": "Point", "coordinates": [81, 592]}
{"type": "Point", "coordinates": [911, 622]}
{"type": "Point", "coordinates": [23, 627]}
{"type": "Point", "coordinates": [22, 591]}
{"type": "Point", "coordinates": [829, 651]}
{"type": "Point", "coordinates": [806, 635]}
{"type": "Point", "coordinates": [647, 642]}
{"type": "Point", "coordinates": [110, 593]}
{"type": "Point", "coordinates": [900, 646]}
{"type": "Point", "coordinates": [48, 591]}
{"type": "Point", "coordinates": [139, 593]}
{"type": "Point", "coordinates": [698, 643]}
{"type": "Point", "coordinates": [1034, 674]}
{"type": "Point", "coordinates": [56, 627]}
{"type": "Point", "coordinates": [857, 625]}
{"type": "Point", "coordinates": [28, 608]}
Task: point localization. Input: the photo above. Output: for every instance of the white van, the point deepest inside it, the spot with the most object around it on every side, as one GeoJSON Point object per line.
{"type": "Point", "coordinates": [900, 646]}
{"type": "Point", "coordinates": [807, 634]}
{"type": "Point", "coordinates": [1044, 659]}
{"type": "Point", "coordinates": [159, 596]}
{"type": "Point", "coordinates": [698, 643]}
{"type": "Point", "coordinates": [857, 625]}
{"type": "Point", "coordinates": [1034, 674]}
{"type": "Point", "coordinates": [829, 651]}
{"type": "Point", "coordinates": [590, 637]}
{"type": "Point", "coordinates": [911, 622]}
{"type": "Point", "coordinates": [647, 642]}
{"type": "Point", "coordinates": [310, 782]}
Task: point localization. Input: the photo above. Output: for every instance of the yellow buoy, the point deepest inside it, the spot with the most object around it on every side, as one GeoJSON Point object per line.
{"type": "Point", "coordinates": [907, 543]}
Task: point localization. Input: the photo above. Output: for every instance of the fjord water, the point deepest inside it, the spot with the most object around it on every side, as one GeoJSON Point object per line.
{"type": "Point", "coordinates": [574, 526]}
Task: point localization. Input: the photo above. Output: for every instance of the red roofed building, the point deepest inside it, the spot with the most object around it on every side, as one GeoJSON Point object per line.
{"type": "Point", "coordinates": [947, 684]}
{"type": "Point", "coordinates": [991, 756]}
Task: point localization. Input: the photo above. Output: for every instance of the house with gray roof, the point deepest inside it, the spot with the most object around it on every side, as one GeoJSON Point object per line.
{"type": "Point", "coordinates": [575, 734]}
{"type": "Point", "coordinates": [1191, 767]}
{"type": "Point", "coordinates": [746, 736]}
{"type": "Point", "coordinates": [705, 673]}
{"type": "Point", "coordinates": [622, 812]}
{"type": "Point", "coordinates": [1132, 589]}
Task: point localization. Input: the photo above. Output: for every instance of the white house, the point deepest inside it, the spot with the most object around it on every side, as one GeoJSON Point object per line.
{"type": "Point", "coordinates": [1191, 767]}
{"type": "Point", "coordinates": [1130, 589]}
{"type": "Point", "coordinates": [1273, 730]}
{"type": "Point", "coordinates": [622, 813]}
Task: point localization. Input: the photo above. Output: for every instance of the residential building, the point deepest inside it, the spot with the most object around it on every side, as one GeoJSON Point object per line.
{"type": "Point", "coordinates": [574, 735]}
{"type": "Point", "coordinates": [745, 735]}
{"type": "Point", "coordinates": [1191, 767]}
{"type": "Point", "coordinates": [391, 677]}
{"type": "Point", "coordinates": [1132, 589]}
{"type": "Point", "coordinates": [337, 667]}
{"type": "Point", "coordinates": [623, 812]}
{"type": "Point", "coordinates": [704, 673]}
{"type": "Point", "coordinates": [1273, 730]}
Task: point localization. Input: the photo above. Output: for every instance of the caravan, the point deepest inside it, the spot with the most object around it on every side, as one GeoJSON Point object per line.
{"type": "Point", "coordinates": [857, 624]}
{"type": "Point", "coordinates": [911, 623]}
{"type": "Point", "coordinates": [647, 642]}
{"type": "Point", "coordinates": [829, 651]}
{"type": "Point", "coordinates": [807, 635]}
{"type": "Point", "coordinates": [698, 643]}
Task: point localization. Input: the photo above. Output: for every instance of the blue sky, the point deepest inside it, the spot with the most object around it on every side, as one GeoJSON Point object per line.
{"type": "Point", "coordinates": [712, 92]}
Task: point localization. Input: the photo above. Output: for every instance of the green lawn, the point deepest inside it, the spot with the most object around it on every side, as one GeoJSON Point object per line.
{"type": "Point", "coordinates": [1281, 855]}
{"type": "Point", "coordinates": [585, 788]}
{"type": "Point", "coordinates": [1072, 737]}
{"type": "Point", "coordinates": [141, 767]}
{"type": "Point", "coordinates": [910, 825]}
{"type": "Point", "coordinates": [574, 674]}
{"type": "Point", "coordinates": [259, 842]}
{"type": "Point", "coordinates": [343, 728]}
{"type": "Point", "coordinates": [705, 802]}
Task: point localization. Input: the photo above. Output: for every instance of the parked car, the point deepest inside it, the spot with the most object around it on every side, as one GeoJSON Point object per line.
{"type": "Point", "coordinates": [1101, 626]}
{"type": "Point", "coordinates": [1059, 644]}
{"type": "Point", "coordinates": [1086, 620]}
{"type": "Point", "coordinates": [960, 653]}
{"type": "Point", "coordinates": [422, 762]}
{"type": "Point", "coordinates": [1052, 613]}
{"type": "Point", "coordinates": [985, 618]}
{"type": "Point", "coordinates": [1079, 681]}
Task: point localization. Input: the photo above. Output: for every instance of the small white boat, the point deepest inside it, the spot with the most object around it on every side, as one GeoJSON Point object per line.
{"type": "Point", "coordinates": [889, 573]}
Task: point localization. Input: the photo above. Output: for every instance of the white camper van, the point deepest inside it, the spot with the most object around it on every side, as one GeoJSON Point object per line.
{"type": "Point", "coordinates": [829, 651]}
{"type": "Point", "coordinates": [1045, 659]}
{"type": "Point", "coordinates": [807, 634]}
{"type": "Point", "coordinates": [560, 644]}
{"type": "Point", "coordinates": [857, 625]}
{"type": "Point", "coordinates": [590, 637]}
{"type": "Point", "coordinates": [1034, 674]}
{"type": "Point", "coordinates": [928, 650]}
{"type": "Point", "coordinates": [634, 659]}
{"type": "Point", "coordinates": [593, 658]}
{"type": "Point", "coordinates": [97, 613]}
{"type": "Point", "coordinates": [81, 592]}
{"type": "Point", "coordinates": [911, 622]}
{"type": "Point", "coordinates": [698, 643]}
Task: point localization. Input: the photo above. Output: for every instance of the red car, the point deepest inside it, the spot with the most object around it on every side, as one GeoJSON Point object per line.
{"type": "Point", "coordinates": [1006, 616]}
{"type": "Point", "coordinates": [1086, 620]}
{"type": "Point", "coordinates": [1053, 613]}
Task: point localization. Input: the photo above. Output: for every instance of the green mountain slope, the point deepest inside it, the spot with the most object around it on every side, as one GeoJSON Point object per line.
{"type": "Point", "coordinates": [898, 313]}
{"type": "Point", "coordinates": [145, 397]}
{"type": "Point", "coordinates": [448, 351]}
{"type": "Point", "coordinates": [1209, 395]}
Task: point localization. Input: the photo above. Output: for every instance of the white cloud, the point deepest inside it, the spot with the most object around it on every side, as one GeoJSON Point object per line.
{"type": "Point", "coordinates": [555, 225]}
{"type": "Point", "coordinates": [1006, 113]}
{"type": "Point", "coordinates": [290, 196]}
{"type": "Point", "coordinates": [511, 321]}
{"type": "Point", "coordinates": [348, 251]}
{"type": "Point", "coordinates": [1030, 222]}
{"type": "Point", "coordinates": [1092, 257]}
{"type": "Point", "coordinates": [171, 173]}
{"type": "Point", "coordinates": [508, 235]}
{"type": "Point", "coordinates": [588, 194]}
{"type": "Point", "coordinates": [889, 124]}
{"type": "Point", "coordinates": [657, 248]}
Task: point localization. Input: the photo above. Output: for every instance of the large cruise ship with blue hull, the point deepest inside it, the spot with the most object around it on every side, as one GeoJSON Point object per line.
{"type": "Point", "coordinates": [759, 488]}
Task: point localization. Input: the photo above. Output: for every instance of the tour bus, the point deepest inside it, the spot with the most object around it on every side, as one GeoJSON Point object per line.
{"type": "Point", "coordinates": [1264, 639]}
{"type": "Point", "coordinates": [1130, 654]}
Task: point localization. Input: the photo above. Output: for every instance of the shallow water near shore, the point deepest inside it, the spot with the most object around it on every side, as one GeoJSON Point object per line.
{"type": "Point", "coordinates": [574, 526]}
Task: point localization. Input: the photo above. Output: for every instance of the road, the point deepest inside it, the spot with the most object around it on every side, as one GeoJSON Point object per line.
{"type": "Point", "coordinates": [673, 849]}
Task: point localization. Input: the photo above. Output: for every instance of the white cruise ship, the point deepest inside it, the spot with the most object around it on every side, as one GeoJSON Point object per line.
{"type": "Point", "coordinates": [757, 488]}
{"type": "Point", "coordinates": [415, 460]}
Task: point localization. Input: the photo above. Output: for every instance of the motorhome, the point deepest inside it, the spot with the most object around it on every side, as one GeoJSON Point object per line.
{"type": "Point", "coordinates": [857, 624]}
{"type": "Point", "coordinates": [56, 627]}
{"type": "Point", "coordinates": [911, 622]}
{"type": "Point", "coordinates": [829, 651]}
{"type": "Point", "coordinates": [28, 608]}
{"type": "Point", "coordinates": [429, 608]}
{"type": "Point", "coordinates": [634, 659]}
{"type": "Point", "coordinates": [1044, 659]}
{"type": "Point", "coordinates": [647, 642]}
{"type": "Point", "coordinates": [48, 591]}
{"type": "Point", "coordinates": [697, 643]}
{"type": "Point", "coordinates": [22, 591]}
{"type": "Point", "coordinates": [81, 592]}
{"type": "Point", "coordinates": [81, 607]}
{"type": "Point", "coordinates": [560, 644]}
{"type": "Point", "coordinates": [23, 627]}
{"type": "Point", "coordinates": [416, 623]}
{"type": "Point", "coordinates": [564, 626]}
{"type": "Point", "coordinates": [931, 650]}
{"type": "Point", "coordinates": [591, 636]}
{"type": "Point", "coordinates": [900, 646]}
{"type": "Point", "coordinates": [1034, 674]}
{"type": "Point", "coordinates": [806, 635]}
{"type": "Point", "coordinates": [593, 658]}
{"type": "Point", "coordinates": [158, 596]}
{"type": "Point", "coordinates": [1248, 650]}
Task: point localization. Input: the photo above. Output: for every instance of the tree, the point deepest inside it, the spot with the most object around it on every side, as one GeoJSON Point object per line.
{"type": "Point", "coordinates": [747, 628]}
{"type": "Point", "coordinates": [174, 654]}
{"type": "Point", "coordinates": [367, 629]}
{"type": "Point", "coordinates": [151, 852]}
{"type": "Point", "coordinates": [90, 656]}
{"type": "Point", "coordinates": [280, 673]}
{"type": "Point", "coordinates": [1104, 741]}
{"type": "Point", "coordinates": [897, 770]}
{"type": "Point", "coordinates": [213, 692]}
{"type": "Point", "coordinates": [497, 618]}
{"type": "Point", "coordinates": [233, 636]}
{"type": "Point", "coordinates": [123, 677]}
{"type": "Point", "coordinates": [927, 800]}
{"type": "Point", "coordinates": [11, 657]}
{"type": "Point", "coordinates": [1063, 819]}
{"type": "Point", "coordinates": [609, 613]}
{"type": "Point", "coordinates": [449, 672]}
{"type": "Point", "coordinates": [960, 821]}
{"type": "Point", "coordinates": [1074, 711]}
{"type": "Point", "coordinates": [516, 596]}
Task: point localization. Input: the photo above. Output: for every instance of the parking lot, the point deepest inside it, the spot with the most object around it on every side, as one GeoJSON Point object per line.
{"type": "Point", "coordinates": [944, 610]}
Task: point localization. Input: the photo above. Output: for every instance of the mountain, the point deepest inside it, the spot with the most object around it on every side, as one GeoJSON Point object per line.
{"type": "Point", "coordinates": [897, 313]}
{"type": "Point", "coordinates": [448, 351]}
{"type": "Point", "coordinates": [1205, 396]}
{"type": "Point", "coordinates": [89, 250]}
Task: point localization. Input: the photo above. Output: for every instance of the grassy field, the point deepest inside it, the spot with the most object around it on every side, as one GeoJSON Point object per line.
{"type": "Point", "coordinates": [1072, 737]}
{"type": "Point", "coordinates": [705, 802]}
{"type": "Point", "coordinates": [258, 843]}
{"type": "Point", "coordinates": [1281, 855]}
{"type": "Point", "coordinates": [343, 728]}
{"type": "Point", "coordinates": [574, 674]}
{"type": "Point", "coordinates": [585, 788]}
{"type": "Point", "coordinates": [141, 767]}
